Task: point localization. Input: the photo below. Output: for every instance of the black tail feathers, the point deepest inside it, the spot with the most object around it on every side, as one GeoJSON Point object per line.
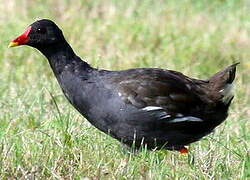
{"type": "Point", "coordinates": [221, 84]}
{"type": "Point", "coordinates": [226, 76]}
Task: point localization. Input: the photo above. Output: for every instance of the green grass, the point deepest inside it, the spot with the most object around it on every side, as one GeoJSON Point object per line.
{"type": "Point", "coordinates": [196, 37]}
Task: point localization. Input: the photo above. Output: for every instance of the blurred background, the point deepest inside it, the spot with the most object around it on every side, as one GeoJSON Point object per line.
{"type": "Point", "coordinates": [196, 37]}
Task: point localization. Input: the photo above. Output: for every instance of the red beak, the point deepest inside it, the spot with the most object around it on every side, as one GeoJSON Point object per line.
{"type": "Point", "coordinates": [22, 39]}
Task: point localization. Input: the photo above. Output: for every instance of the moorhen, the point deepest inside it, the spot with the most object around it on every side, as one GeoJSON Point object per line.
{"type": "Point", "coordinates": [155, 107]}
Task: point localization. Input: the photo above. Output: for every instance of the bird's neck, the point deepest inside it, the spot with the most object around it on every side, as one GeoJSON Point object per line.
{"type": "Point", "coordinates": [61, 55]}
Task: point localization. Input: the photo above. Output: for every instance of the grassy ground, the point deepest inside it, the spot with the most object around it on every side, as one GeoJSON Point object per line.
{"type": "Point", "coordinates": [196, 37]}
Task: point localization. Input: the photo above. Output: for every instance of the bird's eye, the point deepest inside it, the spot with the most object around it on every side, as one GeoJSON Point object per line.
{"type": "Point", "coordinates": [41, 30]}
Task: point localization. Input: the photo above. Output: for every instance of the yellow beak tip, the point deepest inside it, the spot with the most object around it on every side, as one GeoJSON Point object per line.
{"type": "Point", "coordinates": [13, 44]}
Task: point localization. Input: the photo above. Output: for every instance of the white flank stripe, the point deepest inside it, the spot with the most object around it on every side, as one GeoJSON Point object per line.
{"type": "Point", "coordinates": [179, 115]}
{"type": "Point", "coordinates": [167, 116]}
{"type": "Point", "coordinates": [187, 118]}
{"type": "Point", "coordinates": [152, 108]}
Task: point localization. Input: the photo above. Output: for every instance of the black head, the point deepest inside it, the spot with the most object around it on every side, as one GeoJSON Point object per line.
{"type": "Point", "coordinates": [41, 33]}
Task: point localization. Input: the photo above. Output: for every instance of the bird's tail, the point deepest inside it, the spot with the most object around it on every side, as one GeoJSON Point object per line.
{"type": "Point", "coordinates": [221, 84]}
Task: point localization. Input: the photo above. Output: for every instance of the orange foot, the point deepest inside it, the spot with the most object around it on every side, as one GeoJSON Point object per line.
{"type": "Point", "coordinates": [183, 150]}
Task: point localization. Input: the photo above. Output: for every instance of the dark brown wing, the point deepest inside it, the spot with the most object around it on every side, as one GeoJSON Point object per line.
{"type": "Point", "coordinates": [168, 92]}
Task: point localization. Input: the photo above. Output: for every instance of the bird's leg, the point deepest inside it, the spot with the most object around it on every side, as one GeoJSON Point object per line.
{"type": "Point", "coordinates": [183, 150]}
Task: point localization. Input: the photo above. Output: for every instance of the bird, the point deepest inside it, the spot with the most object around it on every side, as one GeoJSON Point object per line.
{"type": "Point", "coordinates": [141, 107]}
